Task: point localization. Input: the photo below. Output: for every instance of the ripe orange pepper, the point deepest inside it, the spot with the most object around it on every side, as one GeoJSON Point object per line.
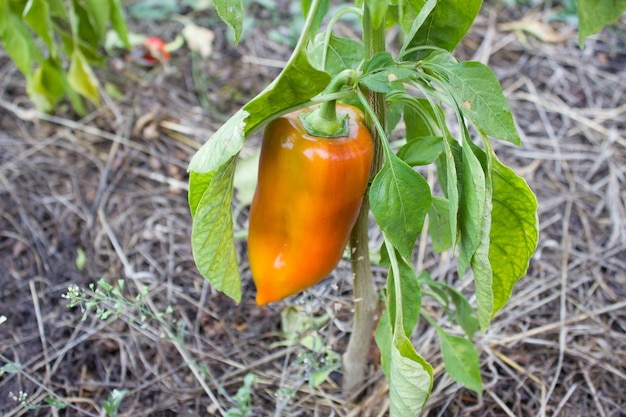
{"type": "Point", "coordinates": [308, 197]}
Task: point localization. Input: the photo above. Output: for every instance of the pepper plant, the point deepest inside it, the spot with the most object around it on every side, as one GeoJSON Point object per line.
{"type": "Point", "coordinates": [481, 210]}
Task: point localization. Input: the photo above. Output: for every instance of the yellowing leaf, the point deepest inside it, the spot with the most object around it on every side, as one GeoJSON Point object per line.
{"type": "Point", "coordinates": [199, 39]}
{"type": "Point", "coordinates": [82, 79]}
{"type": "Point", "coordinates": [536, 28]}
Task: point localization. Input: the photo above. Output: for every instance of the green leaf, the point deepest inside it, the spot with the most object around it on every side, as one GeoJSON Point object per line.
{"type": "Point", "coordinates": [424, 118]}
{"type": "Point", "coordinates": [296, 84]}
{"type": "Point", "coordinates": [321, 13]}
{"type": "Point", "coordinates": [423, 8]}
{"type": "Point", "coordinates": [594, 14]}
{"type": "Point", "coordinates": [81, 259]}
{"type": "Point", "coordinates": [112, 404]}
{"type": "Point", "coordinates": [46, 87]}
{"type": "Point", "coordinates": [320, 376]}
{"type": "Point", "coordinates": [246, 175]}
{"type": "Point", "coordinates": [380, 60]}
{"type": "Point", "coordinates": [461, 360]}
{"type": "Point", "coordinates": [479, 261]}
{"type": "Point", "coordinates": [5, 14]}
{"type": "Point", "coordinates": [400, 199]}
{"type": "Point", "coordinates": [99, 12]}
{"type": "Point", "coordinates": [483, 276]}
{"type": "Point", "coordinates": [18, 43]}
{"type": "Point", "coordinates": [439, 224]}
{"type": "Point", "coordinates": [380, 81]}
{"type": "Point", "coordinates": [410, 379]}
{"type": "Point", "coordinates": [232, 13]}
{"type": "Point", "coordinates": [449, 178]}
{"type": "Point", "coordinates": [198, 185]}
{"type": "Point", "coordinates": [464, 314]}
{"type": "Point", "coordinates": [447, 24]}
{"type": "Point", "coordinates": [472, 205]}
{"type": "Point", "coordinates": [222, 145]}
{"type": "Point", "coordinates": [212, 238]}
{"type": "Point", "coordinates": [384, 338]}
{"type": "Point", "coordinates": [342, 53]}
{"type": "Point", "coordinates": [514, 231]}
{"type": "Point", "coordinates": [82, 79]}
{"type": "Point", "coordinates": [57, 9]}
{"type": "Point", "coordinates": [421, 150]}
{"type": "Point", "coordinates": [478, 94]}
{"type": "Point", "coordinates": [420, 117]}
{"type": "Point", "coordinates": [118, 21]}
{"type": "Point", "coordinates": [36, 14]}
{"type": "Point", "coordinates": [85, 35]}
{"type": "Point", "coordinates": [378, 10]}
{"type": "Point", "coordinates": [410, 298]}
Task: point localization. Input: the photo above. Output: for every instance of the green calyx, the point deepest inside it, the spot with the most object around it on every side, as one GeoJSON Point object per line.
{"type": "Point", "coordinates": [317, 123]}
{"type": "Point", "coordinates": [324, 121]}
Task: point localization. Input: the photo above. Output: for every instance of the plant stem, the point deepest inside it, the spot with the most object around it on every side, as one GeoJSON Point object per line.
{"type": "Point", "coordinates": [365, 298]}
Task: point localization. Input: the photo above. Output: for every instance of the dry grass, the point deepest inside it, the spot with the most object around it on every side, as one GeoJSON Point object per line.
{"type": "Point", "coordinates": [114, 186]}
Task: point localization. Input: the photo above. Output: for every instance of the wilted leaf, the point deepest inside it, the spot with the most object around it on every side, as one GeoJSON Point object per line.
{"type": "Point", "coordinates": [199, 39]}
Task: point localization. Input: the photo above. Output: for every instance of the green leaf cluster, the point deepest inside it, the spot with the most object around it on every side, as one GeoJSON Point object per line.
{"type": "Point", "coordinates": [481, 210]}
{"type": "Point", "coordinates": [40, 36]}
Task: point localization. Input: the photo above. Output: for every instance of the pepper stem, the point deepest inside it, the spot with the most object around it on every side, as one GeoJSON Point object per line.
{"type": "Point", "coordinates": [324, 121]}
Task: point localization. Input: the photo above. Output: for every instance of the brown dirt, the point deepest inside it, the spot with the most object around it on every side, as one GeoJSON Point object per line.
{"type": "Point", "coordinates": [113, 185]}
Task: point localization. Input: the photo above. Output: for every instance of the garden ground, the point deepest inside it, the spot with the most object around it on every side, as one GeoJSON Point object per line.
{"type": "Point", "coordinates": [104, 197]}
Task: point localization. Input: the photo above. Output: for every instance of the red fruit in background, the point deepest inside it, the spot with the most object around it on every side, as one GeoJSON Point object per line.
{"type": "Point", "coordinates": [155, 50]}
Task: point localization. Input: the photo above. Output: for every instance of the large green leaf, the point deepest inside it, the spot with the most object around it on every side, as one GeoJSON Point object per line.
{"type": "Point", "coordinates": [594, 14]}
{"type": "Point", "coordinates": [212, 239]}
{"type": "Point", "coordinates": [514, 231]}
{"type": "Point", "coordinates": [400, 199]}
{"type": "Point", "coordinates": [447, 24]}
